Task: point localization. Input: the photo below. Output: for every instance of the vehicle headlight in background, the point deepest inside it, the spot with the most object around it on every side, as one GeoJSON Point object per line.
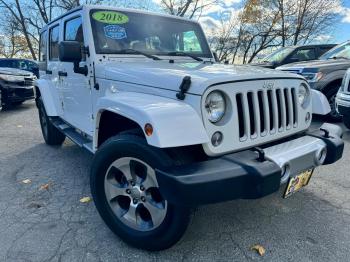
{"type": "Point", "coordinates": [215, 106]}
{"type": "Point", "coordinates": [11, 78]}
{"type": "Point", "coordinates": [303, 95]}
{"type": "Point", "coordinates": [312, 77]}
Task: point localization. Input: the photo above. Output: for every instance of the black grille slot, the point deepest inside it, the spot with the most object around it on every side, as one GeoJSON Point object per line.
{"type": "Point", "coordinates": [286, 99]}
{"type": "Point", "coordinates": [279, 107]}
{"type": "Point", "coordinates": [261, 111]}
{"type": "Point", "coordinates": [272, 117]}
{"type": "Point", "coordinates": [251, 113]}
{"type": "Point", "coordinates": [295, 106]}
{"type": "Point", "coordinates": [240, 115]}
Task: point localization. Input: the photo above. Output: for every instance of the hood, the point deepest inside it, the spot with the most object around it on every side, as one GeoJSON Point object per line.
{"type": "Point", "coordinates": [162, 74]}
{"type": "Point", "coordinates": [318, 64]}
{"type": "Point", "coordinates": [14, 71]}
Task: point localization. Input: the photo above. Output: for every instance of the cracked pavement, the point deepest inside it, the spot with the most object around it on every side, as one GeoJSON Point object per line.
{"type": "Point", "coordinates": [52, 225]}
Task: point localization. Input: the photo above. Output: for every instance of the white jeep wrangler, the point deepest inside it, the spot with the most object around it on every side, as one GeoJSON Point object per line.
{"type": "Point", "coordinates": [169, 127]}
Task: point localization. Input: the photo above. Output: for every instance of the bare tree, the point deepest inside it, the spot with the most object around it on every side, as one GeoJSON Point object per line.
{"type": "Point", "coordinates": [12, 43]}
{"type": "Point", "coordinates": [186, 8]}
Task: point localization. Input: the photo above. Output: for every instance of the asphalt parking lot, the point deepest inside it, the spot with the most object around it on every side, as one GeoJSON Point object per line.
{"type": "Point", "coordinates": [45, 221]}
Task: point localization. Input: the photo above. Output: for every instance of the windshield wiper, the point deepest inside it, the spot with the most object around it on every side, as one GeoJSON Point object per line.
{"type": "Point", "coordinates": [134, 51]}
{"type": "Point", "coordinates": [179, 53]}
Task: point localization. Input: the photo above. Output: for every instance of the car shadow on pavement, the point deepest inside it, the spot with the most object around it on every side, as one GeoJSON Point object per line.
{"type": "Point", "coordinates": [43, 224]}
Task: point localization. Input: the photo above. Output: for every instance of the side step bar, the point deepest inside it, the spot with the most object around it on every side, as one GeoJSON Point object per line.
{"type": "Point", "coordinates": [73, 134]}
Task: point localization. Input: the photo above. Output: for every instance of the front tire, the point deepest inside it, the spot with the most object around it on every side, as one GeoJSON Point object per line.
{"type": "Point", "coordinates": [126, 194]}
{"type": "Point", "coordinates": [51, 134]}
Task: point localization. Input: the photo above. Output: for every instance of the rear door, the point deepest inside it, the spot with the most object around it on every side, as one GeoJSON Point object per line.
{"type": "Point", "coordinates": [53, 65]}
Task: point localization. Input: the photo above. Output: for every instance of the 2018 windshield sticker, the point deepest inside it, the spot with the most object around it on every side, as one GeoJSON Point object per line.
{"type": "Point", "coordinates": [115, 32]}
{"type": "Point", "coordinates": [110, 17]}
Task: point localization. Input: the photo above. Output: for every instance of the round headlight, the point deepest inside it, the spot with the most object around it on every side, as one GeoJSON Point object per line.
{"type": "Point", "coordinates": [215, 106]}
{"type": "Point", "coordinates": [303, 95]}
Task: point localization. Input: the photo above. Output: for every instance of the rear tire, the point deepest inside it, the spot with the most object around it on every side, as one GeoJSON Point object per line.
{"type": "Point", "coordinates": [122, 173]}
{"type": "Point", "coordinates": [51, 134]}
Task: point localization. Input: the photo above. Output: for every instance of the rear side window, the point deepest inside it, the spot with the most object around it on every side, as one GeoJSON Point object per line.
{"type": "Point", "coordinates": [54, 39]}
{"type": "Point", "coordinates": [305, 54]}
{"type": "Point", "coordinates": [42, 47]}
{"type": "Point", "coordinates": [73, 31]}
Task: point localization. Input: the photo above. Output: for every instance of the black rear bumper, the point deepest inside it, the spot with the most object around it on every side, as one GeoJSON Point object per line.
{"type": "Point", "coordinates": [235, 176]}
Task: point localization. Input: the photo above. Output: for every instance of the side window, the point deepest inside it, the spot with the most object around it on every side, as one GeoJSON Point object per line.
{"type": "Point", "coordinates": [304, 54]}
{"type": "Point", "coordinates": [53, 45]}
{"type": "Point", "coordinates": [42, 47]}
{"type": "Point", "coordinates": [323, 50]}
{"type": "Point", "coordinates": [73, 31]}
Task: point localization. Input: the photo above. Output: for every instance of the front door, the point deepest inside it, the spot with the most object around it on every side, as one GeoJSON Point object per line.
{"type": "Point", "coordinates": [75, 87]}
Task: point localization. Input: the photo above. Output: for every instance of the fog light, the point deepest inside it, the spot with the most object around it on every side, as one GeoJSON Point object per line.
{"type": "Point", "coordinates": [216, 139]}
{"type": "Point", "coordinates": [307, 117]}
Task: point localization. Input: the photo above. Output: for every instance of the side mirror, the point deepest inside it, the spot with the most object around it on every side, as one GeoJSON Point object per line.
{"type": "Point", "coordinates": [70, 51]}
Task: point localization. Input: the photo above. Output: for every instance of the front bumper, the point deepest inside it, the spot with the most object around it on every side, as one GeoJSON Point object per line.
{"type": "Point", "coordinates": [343, 104]}
{"type": "Point", "coordinates": [17, 94]}
{"type": "Point", "coordinates": [244, 176]}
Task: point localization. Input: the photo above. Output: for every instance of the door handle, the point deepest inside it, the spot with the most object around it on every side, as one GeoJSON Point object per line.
{"type": "Point", "coordinates": [61, 73]}
{"type": "Point", "coordinates": [48, 72]}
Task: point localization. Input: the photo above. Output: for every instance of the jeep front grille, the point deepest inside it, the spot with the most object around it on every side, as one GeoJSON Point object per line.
{"type": "Point", "coordinates": [266, 112]}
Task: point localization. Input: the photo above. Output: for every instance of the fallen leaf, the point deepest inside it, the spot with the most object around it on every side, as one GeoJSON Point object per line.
{"type": "Point", "coordinates": [26, 181]}
{"type": "Point", "coordinates": [85, 200]}
{"type": "Point", "coordinates": [45, 187]}
{"type": "Point", "coordinates": [260, 249]}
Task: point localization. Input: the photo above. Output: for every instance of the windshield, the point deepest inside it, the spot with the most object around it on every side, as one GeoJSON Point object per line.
{"type": "Point", "coordinates": [279, 55]}
{"type": "Point", "coordinates": [19, 64]}
{"type": "Point", "coordinates": [116, 32]}
{"type": "Point", "coordinates": [340, 51]}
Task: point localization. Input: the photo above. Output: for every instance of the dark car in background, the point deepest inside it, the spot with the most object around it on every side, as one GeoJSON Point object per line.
{"type": "Point", "coordinates": [23, 64]}
{"type": "Point", "coordinates": [16, 86]}
{"type": "Point", "coordinates": [292, 54]}
{"type": "Point", "coordinates": [325, 74]}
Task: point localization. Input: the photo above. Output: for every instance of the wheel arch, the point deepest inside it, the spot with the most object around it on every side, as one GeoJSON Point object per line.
{"type": "Point", "coordinates": [175, 124]}
{"type": "Point", "coordinates": [42, 89]}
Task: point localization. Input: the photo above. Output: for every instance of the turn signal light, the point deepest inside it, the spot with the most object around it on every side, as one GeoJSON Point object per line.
{"type": "Point", "coordinates": [148, 129]}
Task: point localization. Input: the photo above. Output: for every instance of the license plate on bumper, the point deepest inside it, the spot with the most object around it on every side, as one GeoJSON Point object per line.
{"type": "Point", "coordinates": [298, 182]}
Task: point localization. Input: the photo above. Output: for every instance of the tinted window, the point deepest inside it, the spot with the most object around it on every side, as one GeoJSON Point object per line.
{"type": "Point", "coordinates": [54, 39]}
{"type": "Point", "coordinates": [7, 63]}
{"type": "Point", "coordinates": [73, 31]}
{"type": "Point", "coordinates": [279, 55]}
{"type": "Point", "coordinates": [324, 50]}
{"type": "Point", "coordinates": [304, 54]}
{"type": "Point", "coordinates": [42, 47]}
